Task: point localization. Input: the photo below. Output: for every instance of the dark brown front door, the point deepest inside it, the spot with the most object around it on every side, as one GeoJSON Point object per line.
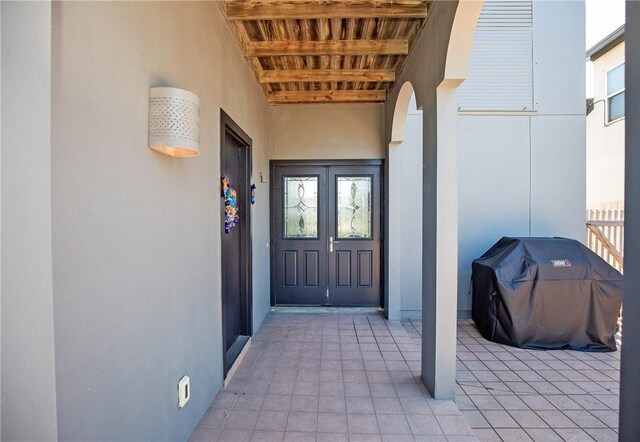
{"type": "Point", "coordinates": [235, 164]}
{"type": "Point", "coordinates": [326, 235]}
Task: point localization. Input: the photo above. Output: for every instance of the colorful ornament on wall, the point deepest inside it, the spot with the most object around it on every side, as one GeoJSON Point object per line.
{"type": "Point", "coordinates": [231, 218]}
{"type": "Point", "coordinates": [253, 194]}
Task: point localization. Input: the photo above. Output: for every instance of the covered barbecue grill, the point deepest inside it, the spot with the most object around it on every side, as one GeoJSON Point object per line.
{"type": "Point", "coordinates": [546, 293]}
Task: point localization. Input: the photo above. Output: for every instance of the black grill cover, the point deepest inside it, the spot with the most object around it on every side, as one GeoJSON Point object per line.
{"type": "Point", "coordinates": [546, 293]}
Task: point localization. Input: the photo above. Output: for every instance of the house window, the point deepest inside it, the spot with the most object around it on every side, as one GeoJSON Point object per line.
{"type": "Point", "coordinates": [615, 94]}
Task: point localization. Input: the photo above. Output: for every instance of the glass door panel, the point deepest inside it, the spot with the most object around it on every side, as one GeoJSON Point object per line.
{"type": "Point", "coordinates": [354, 207]}
{"type": "Point", "coordinates": [300, 207]}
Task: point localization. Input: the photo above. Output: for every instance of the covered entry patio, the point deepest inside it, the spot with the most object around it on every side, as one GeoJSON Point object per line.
{"type": "Point", "coordinates": [112, 262]}
{"type": "Point", "coordinates": [130, 243]}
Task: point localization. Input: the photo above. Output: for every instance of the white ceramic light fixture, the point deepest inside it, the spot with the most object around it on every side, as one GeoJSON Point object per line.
{"type": "Point", "coordinates": [174, 122]}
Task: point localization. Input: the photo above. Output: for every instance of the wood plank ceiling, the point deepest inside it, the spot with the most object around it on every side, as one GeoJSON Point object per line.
{"type": "Point", "coordinates": [319, 51]}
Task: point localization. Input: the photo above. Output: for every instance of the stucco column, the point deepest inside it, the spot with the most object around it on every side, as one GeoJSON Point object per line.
{"type": "Point", "coordinates": [446, 243]}
{"type": "Point", "coordinates": [440, 305]}
{"type": "Point", "coordinates": [436, 67]}
{"type": "Point", "coordinates": [629, 377]}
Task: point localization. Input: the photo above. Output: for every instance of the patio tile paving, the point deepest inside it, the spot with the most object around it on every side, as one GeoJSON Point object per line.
{"type": "Point", "coordinates": [334, 377]}
{"type": "Point", "coordinates": [511, 394]}
{"type": "Point", "coordinates": [339, 377]}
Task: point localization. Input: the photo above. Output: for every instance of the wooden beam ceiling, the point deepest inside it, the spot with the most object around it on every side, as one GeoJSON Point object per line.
{"type": "Point", "coordinates": [326, 51]}
{"type": "Point", "coordinates": [281, 10]}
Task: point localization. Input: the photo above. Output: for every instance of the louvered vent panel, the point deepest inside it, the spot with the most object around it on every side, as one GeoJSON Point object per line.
{"type": "Point", "coordinates": [505, 14]}
{"type": "Point", "coordinates": [500, 76]}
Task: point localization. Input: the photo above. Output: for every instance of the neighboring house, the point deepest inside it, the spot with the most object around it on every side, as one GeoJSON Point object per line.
{"type": "Point", "coordinates": [606, 124]}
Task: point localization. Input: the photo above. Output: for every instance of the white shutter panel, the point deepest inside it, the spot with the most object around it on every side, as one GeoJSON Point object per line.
{"type": "Point", "coordinates": [500, 76]}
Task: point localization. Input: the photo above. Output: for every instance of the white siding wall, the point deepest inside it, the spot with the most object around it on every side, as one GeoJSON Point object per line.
{"type": "Point", "coordinates": [521, 167]}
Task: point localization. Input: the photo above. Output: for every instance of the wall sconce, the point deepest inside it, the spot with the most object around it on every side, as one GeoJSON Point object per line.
{"type": "Point", "coordinates": [174, 122]}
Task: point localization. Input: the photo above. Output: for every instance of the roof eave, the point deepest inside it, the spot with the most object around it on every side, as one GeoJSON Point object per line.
{"type": "Point", "coordinates": [606, 44]}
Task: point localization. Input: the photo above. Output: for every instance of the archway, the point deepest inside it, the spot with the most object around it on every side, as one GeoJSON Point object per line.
{"type": "Point", "coordinates": [404, 272]}
{"type": "Point", "coordinates": [436, 71]}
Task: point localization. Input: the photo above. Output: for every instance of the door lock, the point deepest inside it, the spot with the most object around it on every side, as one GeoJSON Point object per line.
{"type": "Point", "coordinates": [331, 243]}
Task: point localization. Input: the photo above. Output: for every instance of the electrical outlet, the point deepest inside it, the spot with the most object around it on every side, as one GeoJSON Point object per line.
{"type": "Point", "coordinates": [184, 391]}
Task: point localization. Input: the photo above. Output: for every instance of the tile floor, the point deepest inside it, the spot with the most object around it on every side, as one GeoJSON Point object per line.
{"type": "Point", "coordinates": [331, 377]}
{"type": "Point", "coordinates": [510, 394]}
{"type": "Point", "coordinates": [334, 377]}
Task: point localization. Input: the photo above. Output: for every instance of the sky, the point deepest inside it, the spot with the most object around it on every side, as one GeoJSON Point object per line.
{"type": "Point", "coordinates": [603, 17]}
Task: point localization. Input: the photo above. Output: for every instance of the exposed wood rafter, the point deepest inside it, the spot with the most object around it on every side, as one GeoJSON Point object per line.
{"type": "Point", "coordinates": [329, 47]}
{"type": "Point", "coordinates": [280, 10]}
{"type": "Point", "coordinates": [281, 97]}
{"type": "Point", "coordinates": [323, 75]}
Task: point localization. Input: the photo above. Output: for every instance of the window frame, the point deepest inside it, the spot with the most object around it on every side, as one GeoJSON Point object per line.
{"type": "Point", "coordinates": [612, 95]}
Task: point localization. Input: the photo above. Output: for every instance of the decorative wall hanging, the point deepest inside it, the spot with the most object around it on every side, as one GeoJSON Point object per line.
{"type": "Point", "coordinates": [231, 218]}
{"type": "Point", "coordinates": [253, 194]}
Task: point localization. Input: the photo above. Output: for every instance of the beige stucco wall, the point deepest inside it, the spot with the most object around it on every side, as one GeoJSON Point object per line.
{"type": "Point", "coordinates": [28, 371]}
{"type": "Point", "coordinates": [136, 234]}
{"type": "Point", "coordinates": [328, 131]}
{"type": "Point", "coordinates": [605, 142]}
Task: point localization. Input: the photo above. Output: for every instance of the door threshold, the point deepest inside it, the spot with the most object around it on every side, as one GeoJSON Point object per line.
{"type": "Point", "coordinates": [325, 309]}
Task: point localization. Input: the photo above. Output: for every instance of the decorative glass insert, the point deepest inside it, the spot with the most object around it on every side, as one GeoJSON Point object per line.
{"type": "Point", "coordinates": [301, 207]}
{"type": "Point", "coordinates": [354, 207]}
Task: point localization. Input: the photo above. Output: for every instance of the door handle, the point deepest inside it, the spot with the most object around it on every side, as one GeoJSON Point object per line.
{"type": "Point", "coordinates": [331, 243]}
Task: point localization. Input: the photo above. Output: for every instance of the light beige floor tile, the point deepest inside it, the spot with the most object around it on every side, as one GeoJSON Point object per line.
{"type": "Point", "coordinates": [362, 424]}
{"type": "Point", "coordinates": [513, 435]}
{"type": "Point", "coordinates": [332, 422]}
{"type": "Point", "coordinates": [454, 425]}
{"type": "Point", "coordinates": [267, 436]}
{"type": "Point", "coordinates": [393, 424]}
{"type": "Point", "coordinates": [272, 421]}
{"type": "Point", "coordinates": [302, 421]}
{"type": "Point", "coordinates": [423, 424]}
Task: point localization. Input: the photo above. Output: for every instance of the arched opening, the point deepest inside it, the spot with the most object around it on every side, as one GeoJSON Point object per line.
{"type": "Point", "coordinates": [405, 208]}
{"type": "Point", "coordinates": [436, 92]}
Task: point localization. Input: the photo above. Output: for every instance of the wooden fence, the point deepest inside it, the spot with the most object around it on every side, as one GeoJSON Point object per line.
{"type": "Point", "coordinates": [606, 235]}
